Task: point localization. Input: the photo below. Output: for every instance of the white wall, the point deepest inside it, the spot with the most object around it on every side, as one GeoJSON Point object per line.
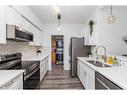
{"type": "Point", "coordinates": [68, 30]}
{"type": "Point", "coordinates": [110, 35]}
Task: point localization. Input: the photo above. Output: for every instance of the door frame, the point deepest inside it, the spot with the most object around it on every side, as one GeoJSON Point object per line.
{"type": "Point", "coordinates": [51, 49]}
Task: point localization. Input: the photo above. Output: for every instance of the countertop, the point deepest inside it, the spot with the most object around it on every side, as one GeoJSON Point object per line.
{"type": "Point", "coordinates": [8, 75]}
{"type": "Point", "coordinates": [117, 74]}
{"type": "Point", "coordinates": [39, 57]}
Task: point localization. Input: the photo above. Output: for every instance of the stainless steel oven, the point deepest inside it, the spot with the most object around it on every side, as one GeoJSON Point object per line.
{"type": "Point", "coordinates": [31, 76]}
{"type": "Point", "coordinates": [32, 79]}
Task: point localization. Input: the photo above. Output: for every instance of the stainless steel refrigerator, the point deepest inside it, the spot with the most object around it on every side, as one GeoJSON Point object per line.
{"type": "Point", "coordinates": [77, 49]}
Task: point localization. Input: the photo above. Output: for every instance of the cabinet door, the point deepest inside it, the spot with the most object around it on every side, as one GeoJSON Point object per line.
{"type": "Point", "coordinates": [90, 78]}
{"type": "Point", "coordinates": [90, 38]}
{"type": "Point", "coordinates": [46, 64]}
{"type": "Point", "coordinates": [16, 83]}
{"type": "Point", "coordinates": [40, 40]}
{"type": "Point", "coordinates": [87, 35]}
{"type": "Point", "coordinates": [43, 67]}
{"type": "Point", "coordinates": [34, 31]}
{"type": "Point", "coordinates": [37, 39]}
{"type": "Point", "coordinates": [83, 74]}
{"type": "Point", "coordinates": [25, 24]}
{"type": "Point", "coordinates": [2, 24]}
{"type": "Point", "coordinates": [13, 17]}
{"type": "Point", "coordinates": [86, 75]}
{"type": "Point", "coordinates": [42, 70]}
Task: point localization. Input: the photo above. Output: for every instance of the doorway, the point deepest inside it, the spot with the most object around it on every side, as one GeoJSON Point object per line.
{"type": "Point", "coordinates": [57, 46]}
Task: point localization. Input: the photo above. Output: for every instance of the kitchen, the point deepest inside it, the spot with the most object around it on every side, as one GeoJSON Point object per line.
{"type": "Point", "coordinates": [26, 47]}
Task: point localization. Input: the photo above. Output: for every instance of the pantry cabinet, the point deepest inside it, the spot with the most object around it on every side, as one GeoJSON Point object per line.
{"type": "Point", "coordinates": [86, 75]}
{"type": "Point", "coordinates": [2, 24]}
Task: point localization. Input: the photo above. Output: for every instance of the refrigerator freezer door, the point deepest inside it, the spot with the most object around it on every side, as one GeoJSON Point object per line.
{"type": "Point", "coordinates": [73, 69]}
{"type": "Point", "coordinates": [77, 50]}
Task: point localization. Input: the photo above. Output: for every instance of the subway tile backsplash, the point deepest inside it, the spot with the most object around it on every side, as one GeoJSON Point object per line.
{"type": "Point", "coordinates": [15, 47]}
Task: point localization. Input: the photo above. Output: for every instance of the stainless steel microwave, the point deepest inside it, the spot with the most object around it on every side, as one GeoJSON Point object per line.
{"type": "Point", "coordinates": [17, 34]}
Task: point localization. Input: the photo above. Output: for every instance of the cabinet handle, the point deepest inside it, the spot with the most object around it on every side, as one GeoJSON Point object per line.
{"type": "Point", "coordinates": [85, 73]}
{"type": "Point", "coordinates": [9, 83]}
{"type": "Point", "coordinates": [103, 83]}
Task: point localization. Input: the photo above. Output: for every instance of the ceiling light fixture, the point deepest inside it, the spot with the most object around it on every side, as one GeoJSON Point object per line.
{"type": "Point", "coordinates": [56, 10]}
{"type": "Point", "coordinates": [59, 23]}
{"type": "Point", "coordinates": [111, 19]}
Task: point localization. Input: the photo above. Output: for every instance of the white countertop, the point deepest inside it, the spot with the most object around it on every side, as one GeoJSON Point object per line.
{"type": "Point", "coordinates": [117, 74]}
{"type": "Point", "coordinates": [39, 57]}
{"type": "Point", "coordinates": [8, 75]}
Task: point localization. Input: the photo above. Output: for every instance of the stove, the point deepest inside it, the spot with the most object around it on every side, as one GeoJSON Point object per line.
{"type": "Point", "coordinates": [32, 69]}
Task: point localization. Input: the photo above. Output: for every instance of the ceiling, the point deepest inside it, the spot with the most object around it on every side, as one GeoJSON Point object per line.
{"type": "Point", "coordinates": [69, 14]}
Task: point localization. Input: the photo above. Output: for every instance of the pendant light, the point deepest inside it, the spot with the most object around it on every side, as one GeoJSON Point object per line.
{"type": "Point", "coordinates": [59, 23]}
{"type": "Point", "coordinates": [56, 10]}
{"type": "Point", "coordinates": [111, 19]}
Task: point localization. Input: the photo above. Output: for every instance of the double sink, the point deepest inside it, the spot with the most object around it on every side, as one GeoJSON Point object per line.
{"type": "Point", "coordinates": [98, 63]}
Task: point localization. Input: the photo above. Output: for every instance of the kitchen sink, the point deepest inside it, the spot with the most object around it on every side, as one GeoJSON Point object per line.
{"type": "Point", "coordinates": [98, 64]}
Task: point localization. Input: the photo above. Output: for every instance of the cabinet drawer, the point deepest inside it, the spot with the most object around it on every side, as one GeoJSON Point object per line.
{"type": "Point", "coordinates": [16, 83]}
{"type": "Point", "coordinates": [102, 82]}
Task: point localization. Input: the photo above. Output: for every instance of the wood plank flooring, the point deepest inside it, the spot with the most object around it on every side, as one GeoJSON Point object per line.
{"type": "Point", "coordinates": [59, 79]}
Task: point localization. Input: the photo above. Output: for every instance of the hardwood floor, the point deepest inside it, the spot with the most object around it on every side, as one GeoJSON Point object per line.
{"type": "Point", "coordinates": [59, 79]}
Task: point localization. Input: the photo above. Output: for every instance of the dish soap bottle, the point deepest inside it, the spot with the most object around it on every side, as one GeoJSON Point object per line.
{"type": "Point", "coordinates": [110, 60]}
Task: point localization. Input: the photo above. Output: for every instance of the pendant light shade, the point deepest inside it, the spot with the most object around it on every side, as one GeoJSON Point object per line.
{"type": "Point", "coordinates": [56, 10]}
{"type": "Point", "coordinates": [111, 19]}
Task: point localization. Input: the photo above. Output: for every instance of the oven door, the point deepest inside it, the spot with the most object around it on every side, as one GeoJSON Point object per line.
{"type": "Point", "coordinates": [32, 79]}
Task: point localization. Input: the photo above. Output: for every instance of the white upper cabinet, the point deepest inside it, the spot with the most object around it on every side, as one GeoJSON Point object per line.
{"type": "Point", "coordinates": [13, 17]}
{"type": "Point", "coordinates": [23, 17]}
{"type": "Point", "coordinates": [90, 30]}
{"type": "Point", "coordinates": [29, 14]}
{"type": "Point", "coordinates": [37, 39]}
{"type": "Point", "coordinates": [2, 24]}
{"type": "Point", "coordinates": [90, 38]}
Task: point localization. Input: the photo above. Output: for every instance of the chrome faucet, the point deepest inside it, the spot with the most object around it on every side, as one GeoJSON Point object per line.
{"type": "Point", "coordinates": [103, 56]}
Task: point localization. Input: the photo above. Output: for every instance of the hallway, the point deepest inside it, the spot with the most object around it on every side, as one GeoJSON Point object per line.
{"type": "Point", "coordinates": [59, 79]}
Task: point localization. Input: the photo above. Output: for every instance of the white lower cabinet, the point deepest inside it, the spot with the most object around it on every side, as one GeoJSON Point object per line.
{"type": "Point", "coordinates": [16, 83]}
{"type": "Point", "coordinates": [43, 67]}
{"type": "Point", "coordinates": [86, 75]}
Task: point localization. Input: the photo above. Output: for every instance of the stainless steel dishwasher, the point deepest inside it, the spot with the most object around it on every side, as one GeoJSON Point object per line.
{"type": "Point", "coordinates": [102, 83]}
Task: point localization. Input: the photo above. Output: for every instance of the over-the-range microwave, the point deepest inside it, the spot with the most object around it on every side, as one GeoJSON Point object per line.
{"type": "Point", "coordinates": [17, 34]}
